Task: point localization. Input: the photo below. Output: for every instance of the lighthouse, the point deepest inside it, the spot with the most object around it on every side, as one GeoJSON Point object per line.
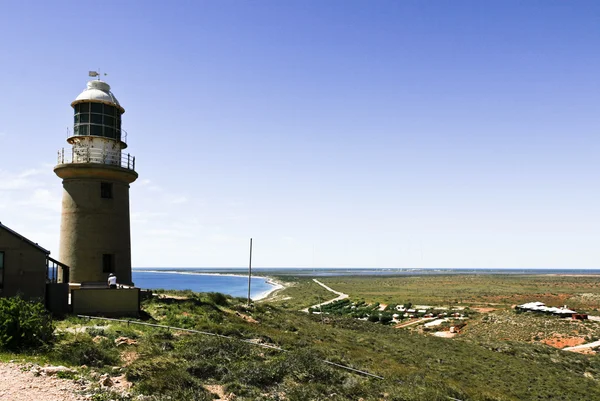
{"type": "Point", "coordinates": [95, 237]}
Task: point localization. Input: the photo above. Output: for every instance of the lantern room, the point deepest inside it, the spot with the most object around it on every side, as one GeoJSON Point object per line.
{"type": "Point", "coordinates": [98, 113]}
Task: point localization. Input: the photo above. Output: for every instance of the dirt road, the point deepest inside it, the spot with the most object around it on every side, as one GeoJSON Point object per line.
{"type": "Point", "coordinates": [340, 296]}
{"type": "Point", "coordinates": [583, 346]}
{"type": "Point", "coordinates": [18, 385]}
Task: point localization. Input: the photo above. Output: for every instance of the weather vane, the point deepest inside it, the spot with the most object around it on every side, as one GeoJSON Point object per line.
{"type": "Point", "coordinates": [96, 74]}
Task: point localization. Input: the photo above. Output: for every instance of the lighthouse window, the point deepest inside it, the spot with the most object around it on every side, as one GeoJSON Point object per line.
{"type": "Point", "coordinates": [108, 263]}
{"type": "Point", "coordinates": [84, 118]}
{"type": "Point", "coordinates": [109, 110]}
{"type": "Point", "coordinates": [96, 118]}
{"type": "Point", "coordinates": [83, 130]}
{"type": "Point", "coordinates": [110, 121]}
{"type": "Point", "coordinates": [96, 130]}
{"type": "Point", "coordinates": [82, 108]}
{"type": "Point", "coordinates": [96, 107]}
{"type": "Point", "coordinates": [106, 190]}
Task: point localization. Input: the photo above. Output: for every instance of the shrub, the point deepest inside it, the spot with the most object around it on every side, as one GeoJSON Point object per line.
{"type": "Point", "coordinates": [95, 332]}
{"type": "Point", "coordinates": [159, 375]}
{"type": "Point", "coordinates": [385, 318]}
{"type": "Point", "coordinates": [23, 324]}
{"type": "Point", "coordinates": [257, 373]}
{"type": "Point", "coordinates": [82, 350]}
{"type": "Point", "coordinates": [306, 365]}
{"type": "Point", "coordinates": [217, 298]}
{"type": "Point", "coordinates": [188, 394]}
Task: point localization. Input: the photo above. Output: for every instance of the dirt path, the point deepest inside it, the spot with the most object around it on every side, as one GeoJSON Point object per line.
{"type": "Point", "coordinates": [583, 346]}
{"type": "Point", "coordinates": [340, 296]}
{"type": "Point", "coordinates": [413, 322]}
{"type": "Point", "coordinates": [18, 385]}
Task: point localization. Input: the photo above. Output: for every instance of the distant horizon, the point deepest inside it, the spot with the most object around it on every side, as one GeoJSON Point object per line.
{"type": "Point", "coordinates": [374, 268]}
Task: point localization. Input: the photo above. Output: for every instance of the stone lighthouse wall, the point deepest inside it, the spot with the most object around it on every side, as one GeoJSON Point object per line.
{"type": "Point", "coordinates": [95, 228]}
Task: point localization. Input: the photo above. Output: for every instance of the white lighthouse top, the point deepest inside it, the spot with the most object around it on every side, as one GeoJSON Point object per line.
{"type": "Point", "coordinates": [98, 91]}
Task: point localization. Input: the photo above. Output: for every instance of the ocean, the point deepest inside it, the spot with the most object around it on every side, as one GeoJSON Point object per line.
{"type": "Point", "coordinates": [200, 281]}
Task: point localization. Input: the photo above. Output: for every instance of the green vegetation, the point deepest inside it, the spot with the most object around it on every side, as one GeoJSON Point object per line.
{"type": "Point", "coordinates": [301, 292]}
{"type": "Point", "coordinates": [23, 324]}
{"type": "Point", "coordinates": [505, 290]}
{"type": "Point", "coordinates": [383, 313]}
{"type": "Point", "coordinates": [527, 327]}
{"type": "Point", "coordinates": [83, 350]}
{"type": "Point", "coordinates": [494, 357]}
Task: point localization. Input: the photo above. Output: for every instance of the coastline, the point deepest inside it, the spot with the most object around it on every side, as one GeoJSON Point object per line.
{"type": "Point", "coordinates": [196, 273]}
{"type": "Point", "coordinates": [276, 285]}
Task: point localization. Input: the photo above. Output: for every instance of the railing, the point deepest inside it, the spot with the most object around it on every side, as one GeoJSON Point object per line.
{"type": "Point", "coordinates": [96, 155]}
{"type": "Point", "coordinates": [52, 266]}
{"type": "Point", "coordinates": [122, 137]}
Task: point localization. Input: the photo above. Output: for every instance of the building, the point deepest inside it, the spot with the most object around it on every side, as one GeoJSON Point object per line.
{"type": "Point", "coordinates": [95, 231]}
{"type": "Point", "coordinates": [28, 271]}
{"type": "Point", "coordinates": [95, 237]}
{"type": "Point", "coordinates": [22, 266]}
{"type": "Point", "coordinates": [540, 307]}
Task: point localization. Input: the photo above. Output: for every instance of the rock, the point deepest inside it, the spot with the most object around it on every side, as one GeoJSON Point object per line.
{"type": "Point", "coordinates": [106, 381]}
{"type": "Point", "coordinates": [125, 341]}
{"type": "Point", "coordinates": [52, 370]}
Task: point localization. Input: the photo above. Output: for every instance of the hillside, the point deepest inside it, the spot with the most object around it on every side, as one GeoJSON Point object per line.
{"type": "Point", "coordinates": [163, 364]}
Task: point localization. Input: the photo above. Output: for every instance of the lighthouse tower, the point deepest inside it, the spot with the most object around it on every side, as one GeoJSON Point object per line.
{"type": "Point", "coordinates": [96, 173]}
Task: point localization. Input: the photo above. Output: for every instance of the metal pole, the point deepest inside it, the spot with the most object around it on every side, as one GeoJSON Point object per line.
{"type": "Point", "coordinates": [250, 272]}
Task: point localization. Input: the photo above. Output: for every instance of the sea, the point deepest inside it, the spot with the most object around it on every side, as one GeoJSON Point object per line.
{"type": "Point", "coordinates": [203, 280]}
{"type": "Point", "coordinates": [234, 281]}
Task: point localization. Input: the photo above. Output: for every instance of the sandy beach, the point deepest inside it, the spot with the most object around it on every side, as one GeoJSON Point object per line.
{"type": "Point", "coordinates": [277, 285]}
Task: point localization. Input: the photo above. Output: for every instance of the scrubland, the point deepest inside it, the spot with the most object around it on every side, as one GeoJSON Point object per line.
{"type": "Point", "coordinates": [499, 354]}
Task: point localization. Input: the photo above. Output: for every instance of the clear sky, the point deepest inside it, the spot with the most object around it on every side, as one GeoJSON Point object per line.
{"type": "Point", "coordinates": [335, 133]}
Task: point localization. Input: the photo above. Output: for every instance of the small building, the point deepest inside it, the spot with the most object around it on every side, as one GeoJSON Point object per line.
{"type": "Point", "coordinates": [22, 266]}
{"type": "Point", "coordinates": [540, 307]}
{"type": "Point", "coordinates": [28, 271]}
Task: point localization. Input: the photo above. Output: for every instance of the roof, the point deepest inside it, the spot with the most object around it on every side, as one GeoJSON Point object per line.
{"type": "Point", "coordinates": [98, 91]}
{"type": "Point", "coordinates": [16, 234]}
{"type": "Point", "coordinates": [540, 306]}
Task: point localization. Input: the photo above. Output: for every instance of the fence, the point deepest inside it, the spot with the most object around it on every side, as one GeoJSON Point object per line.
{"type": "Point", "coordinates": [52, 266]}
{"type": "Point", "coordinates": [96, 155]}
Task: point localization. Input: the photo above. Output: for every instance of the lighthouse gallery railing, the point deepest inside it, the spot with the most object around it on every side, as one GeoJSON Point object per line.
{"type": "Point", "coordinates": [95, 155]}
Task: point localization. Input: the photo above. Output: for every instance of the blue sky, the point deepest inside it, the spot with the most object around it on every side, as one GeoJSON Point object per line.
{"type": "Point", "coordinates": [335, 133]}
